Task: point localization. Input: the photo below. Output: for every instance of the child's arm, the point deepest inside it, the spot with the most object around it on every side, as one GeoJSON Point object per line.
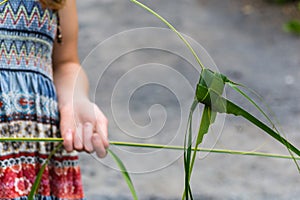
{"type": "Point", "coordinates": [83, 126]}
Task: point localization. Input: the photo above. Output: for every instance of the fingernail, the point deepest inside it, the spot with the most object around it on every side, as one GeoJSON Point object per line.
{"type": "Point", "coordinates": [87, 124]}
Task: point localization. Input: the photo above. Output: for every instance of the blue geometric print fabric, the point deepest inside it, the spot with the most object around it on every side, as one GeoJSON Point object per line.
{"type": "Point", "coordinates": [27, 33]}
{"type": "Point", "coordinates": [28, 106]}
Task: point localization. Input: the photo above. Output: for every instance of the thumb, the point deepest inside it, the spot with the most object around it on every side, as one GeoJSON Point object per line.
{"type": "Point", "coordinates": [67, 128]}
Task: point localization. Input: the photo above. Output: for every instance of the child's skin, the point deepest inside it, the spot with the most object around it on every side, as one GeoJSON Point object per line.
{"type": "Point", "coordinates": [83, 126]}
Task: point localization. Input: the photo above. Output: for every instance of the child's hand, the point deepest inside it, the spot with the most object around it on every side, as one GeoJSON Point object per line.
{"type": "Point", "coordinates": [84, 127]}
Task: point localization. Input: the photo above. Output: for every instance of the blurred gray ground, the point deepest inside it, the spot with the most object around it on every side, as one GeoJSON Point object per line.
{"type": "Point", "coordinates": [143, 80]}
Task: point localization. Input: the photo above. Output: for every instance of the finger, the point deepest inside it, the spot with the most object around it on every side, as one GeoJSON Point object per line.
{"type": "Point", "coordinates": [68, 140]}
{"type": "Point", "coordinates": [87, 137]}
{"type": "Point", "coordinates": [98, 145]}
{"type": "Point", "coordinates": [67, 127]}
{"type": "Point", "coordinates": [78, 139]}
{"type": "Point", "coordinates": [102, 131]}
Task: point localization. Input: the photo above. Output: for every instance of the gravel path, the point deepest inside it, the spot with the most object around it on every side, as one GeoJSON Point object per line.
{"type": "Point", "coordinates": [143, 79]}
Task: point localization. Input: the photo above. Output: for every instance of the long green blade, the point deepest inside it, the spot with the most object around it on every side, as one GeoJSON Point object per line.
{"type": "Point", "coordinates": [236, 88]}
{"type": "Point", "coordinates": [187, 158]}
{"type": "Point", "coordinates": [187, 152]}
{"type": "Point", "coordinates": [124, 173]}
{"type": "Point", "coordinates": [236, 110]}
{"type": "Point", "coordinates": [38, 178]}
{"type": "Point", "coordinates": [233, 86]}
{"type": "Point", "coordinates": [203, 129]}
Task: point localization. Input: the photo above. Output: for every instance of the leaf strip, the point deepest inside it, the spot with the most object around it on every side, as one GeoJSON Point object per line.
{"type": "Point", "coordinates": [38, 178]}
{"type": "Point", "coordinates": [124, 173]}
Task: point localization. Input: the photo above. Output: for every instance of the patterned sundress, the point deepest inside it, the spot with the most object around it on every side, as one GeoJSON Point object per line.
{"type": "Point", "coordinates": [28, 106]}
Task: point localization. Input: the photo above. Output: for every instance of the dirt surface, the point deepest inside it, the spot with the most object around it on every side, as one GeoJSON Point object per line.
{"type": "Point", "coordinates": [143, 79]}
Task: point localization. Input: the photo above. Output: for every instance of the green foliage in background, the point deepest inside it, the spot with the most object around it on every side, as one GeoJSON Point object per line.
{"type": "Point", "coordinates": [283, 1]}
{"type": "Point", "coordinates": [292, 26]}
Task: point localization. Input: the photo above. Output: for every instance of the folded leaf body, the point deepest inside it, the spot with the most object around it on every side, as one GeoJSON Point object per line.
{"type": "Point", "coordinates": [212, 80]}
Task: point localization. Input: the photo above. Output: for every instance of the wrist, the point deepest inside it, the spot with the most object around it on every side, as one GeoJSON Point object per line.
{"type": "Point", "coordinates": [72, 100]}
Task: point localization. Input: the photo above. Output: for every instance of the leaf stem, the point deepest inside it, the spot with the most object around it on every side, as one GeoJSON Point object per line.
{"type": "Point", "coordinates": [2, 2]}
{"type": "Point", "coordinates": [225, 151]}
{"type": "Point", "coordinates": [173, 29]}
{"type": "Point", "coordinates": [158, 146]}
{"type": "Point", "coordinates": [10, 139]}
